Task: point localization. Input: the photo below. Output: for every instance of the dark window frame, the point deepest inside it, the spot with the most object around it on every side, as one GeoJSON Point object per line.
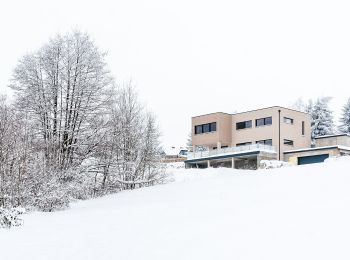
{"type": "Point", "coordinates": [265, 142]}
{"type": "Point", "coordinates": [205, 128]}
{"type": "Point", "coordinates": [286, 119]}
{"type": "Point", "coordinates": [244, 125]}
{"type": "Point", "coordinates": [288, 142]}
{"type": "Point", "coordinates": [198, 129]}
{"type": "Point", "coordinates": [243, 144]}
{"type": "Point", "coordinates": [263, 121]}
{"type": "Point", "coordinates": [303, 128]}
{"type": "Point", "coordinates": [212, 127]}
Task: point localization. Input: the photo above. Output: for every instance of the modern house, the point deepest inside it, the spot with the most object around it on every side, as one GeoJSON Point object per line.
{"type": "Point", "coordinates": [241, 140]}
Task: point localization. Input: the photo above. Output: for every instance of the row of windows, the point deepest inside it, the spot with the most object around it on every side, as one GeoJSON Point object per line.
{"type": "Point", "coordinates": [205, 128]}
{"type": "Point", "coordinates": [222, 147]}
{"type": "Point", "coordinates": [268, 142]}
{"type": "Point", "coordinates": [258, 122]}
{"type": "Point", "coordinates": [267, 121]}
{"type": "Point", "coordinates": [211, 127]}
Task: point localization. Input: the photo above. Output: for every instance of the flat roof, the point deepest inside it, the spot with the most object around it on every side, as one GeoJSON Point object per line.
{"type": "Point", "coordinates": [212, 114]}
{"type": "Point", "coordinates": [252, 111]}
{"type": "Point", "coordinates": [340, 147]}
{"type": "Point", "coordinates": [330, 136]}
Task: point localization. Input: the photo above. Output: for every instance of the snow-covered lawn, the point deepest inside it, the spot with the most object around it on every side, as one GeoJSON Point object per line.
{"type": "Point", "coordinates": [289, 213]}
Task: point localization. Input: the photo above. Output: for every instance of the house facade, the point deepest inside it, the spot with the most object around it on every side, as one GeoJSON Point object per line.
{"type": "Point", "coordinates": [241, 140]}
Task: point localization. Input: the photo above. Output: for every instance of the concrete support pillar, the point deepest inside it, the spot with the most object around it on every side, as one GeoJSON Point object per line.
{"type": "Point", "coordinates": [233, 163]}
{"type": "Point", "coordinates": [258, 159]}
{"type": "Point", "coordinates": [208, 164]}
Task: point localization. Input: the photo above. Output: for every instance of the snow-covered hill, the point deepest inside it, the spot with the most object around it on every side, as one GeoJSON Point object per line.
{"type": "Point", "coordinates": [290, 213]}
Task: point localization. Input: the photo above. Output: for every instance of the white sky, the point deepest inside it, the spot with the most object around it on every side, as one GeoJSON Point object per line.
{"type": "Point", "coordinates": [190, 57]}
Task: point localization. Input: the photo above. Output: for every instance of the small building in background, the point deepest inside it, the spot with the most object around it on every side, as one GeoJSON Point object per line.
{"type": "Point", "coordinates": [174, 154]}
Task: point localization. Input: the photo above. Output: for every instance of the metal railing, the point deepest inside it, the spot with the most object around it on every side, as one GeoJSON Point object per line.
{"type": "Point", "coordinates": [231, 150]}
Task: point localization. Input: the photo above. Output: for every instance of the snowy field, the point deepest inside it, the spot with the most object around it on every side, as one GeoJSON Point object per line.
{"type": "Point", "coordinates": [289, 213]}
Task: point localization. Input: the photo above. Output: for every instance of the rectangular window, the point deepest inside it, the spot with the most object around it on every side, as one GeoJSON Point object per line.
{"type": "Point", "coordinates": [205, 128]}
{"type": "Point", "coordinates": [303, 128]}
{"type": "Point", "coordinates": [244, 125]}
{"type": "Point", "coordinates": [212, 127]}
{"type": "Point", "coordinates": [288, 120]}
{"type": "Point", "coordinates": [268, 120]}
{"type": "Point", "coordinates": [259, 122]}
{"type": "Point", "coordinates": [263, 121]}
{"type": "Point", "coordinates": [265, 142]}
{"type": "Point", "coordinates": [198, 129]}
{"type": "Point", "coordinates": [288, 142]}
{"type": "Point", "coordinates": [243, 144]}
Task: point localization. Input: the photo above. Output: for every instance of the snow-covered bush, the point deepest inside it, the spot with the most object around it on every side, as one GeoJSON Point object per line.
{"type": "Point", "coordinates": [10, 217]}
{"type": "Point", "coordinates": [272, 164]}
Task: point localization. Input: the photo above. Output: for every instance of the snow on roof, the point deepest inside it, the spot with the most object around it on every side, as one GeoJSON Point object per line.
{"type": "Point", "coordinates": [341, 147]}
{"type": "Point", "coordinates": [329, 136]}
{"type": "Point", "coordinates": [173, 150]}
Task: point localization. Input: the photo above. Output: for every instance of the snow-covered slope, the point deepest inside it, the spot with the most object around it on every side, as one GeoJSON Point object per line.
{"type": "Point", "coordinates": [290, 213]}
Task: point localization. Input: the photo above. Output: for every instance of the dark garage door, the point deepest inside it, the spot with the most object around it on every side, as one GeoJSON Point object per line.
{"type": "Point", "coordinates": [312, 159]}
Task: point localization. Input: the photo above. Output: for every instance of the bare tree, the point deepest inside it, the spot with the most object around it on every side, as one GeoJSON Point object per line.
{"type": "Point", "coordinates": [64, 86]}
{"type": "Point", "coordinates": [129, 157]}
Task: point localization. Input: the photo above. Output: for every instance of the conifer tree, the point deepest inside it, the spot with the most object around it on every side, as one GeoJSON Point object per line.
{"type": "Point", "coordinates": [345, 119]}
{"type": "Point", "coordinates": [321, 118]}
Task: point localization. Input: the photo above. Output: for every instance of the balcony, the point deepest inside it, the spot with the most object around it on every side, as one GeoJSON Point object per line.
{"type": "Point", "coordinates": [236, 150]}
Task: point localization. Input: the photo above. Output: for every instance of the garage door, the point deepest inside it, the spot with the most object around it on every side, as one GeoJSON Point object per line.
{"type": "Point", "coordinates": [312, 159]}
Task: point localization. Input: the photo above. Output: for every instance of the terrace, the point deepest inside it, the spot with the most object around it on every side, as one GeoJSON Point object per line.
{"type": "Point", "coordinates": [247, 156]}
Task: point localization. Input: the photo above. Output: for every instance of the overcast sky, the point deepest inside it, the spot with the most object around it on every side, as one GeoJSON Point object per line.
{"type": "Point", "coordinates": [190, 57]}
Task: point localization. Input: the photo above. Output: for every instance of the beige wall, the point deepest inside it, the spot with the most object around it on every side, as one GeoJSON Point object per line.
{"type": "Point", "coordinates": [227, 134]}
{"type": "Point", "coordinates": [334, 140]}
{"type": "Point", "coordinates": [294, 132]}
{"type": "Point", "coordinates": [255, 133]}
{"type": "Point", "coordinates": [288, 131]}
{"type": "Point", "coordinates": [222, 134]}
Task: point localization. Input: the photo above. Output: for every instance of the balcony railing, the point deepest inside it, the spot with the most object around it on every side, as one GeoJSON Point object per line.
{"type": "Point", "coordinates": [231, 150]}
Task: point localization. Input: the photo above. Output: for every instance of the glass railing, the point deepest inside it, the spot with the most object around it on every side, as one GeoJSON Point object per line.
{"type": "Point", "coordinates": [231, 150]}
